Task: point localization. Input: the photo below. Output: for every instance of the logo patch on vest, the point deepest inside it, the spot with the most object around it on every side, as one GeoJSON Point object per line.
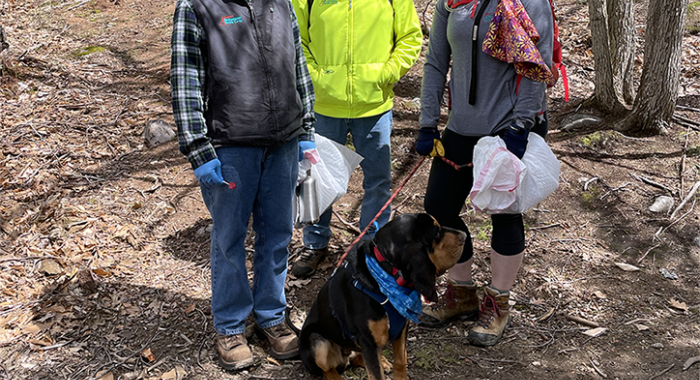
{"type": "Point", "coordinates": [329, 2]}
{"type": "Point", "coordinates": [228, 20]}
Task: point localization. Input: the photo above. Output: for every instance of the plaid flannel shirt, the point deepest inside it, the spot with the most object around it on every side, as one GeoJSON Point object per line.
{"type": "Point", "coordinates": [188, 78]}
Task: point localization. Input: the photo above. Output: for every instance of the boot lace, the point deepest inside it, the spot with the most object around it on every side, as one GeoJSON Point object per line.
{"type": "Point", "coordinates": [231, 341]}
{"type": "Point", "coordinates": [488, 311]}
{"type": "Point", "coordinates": [280, 330]}
{"type": "Point", "coordinates": [446, 300]}
{"type": "Point", "coordinates": [307, 255]}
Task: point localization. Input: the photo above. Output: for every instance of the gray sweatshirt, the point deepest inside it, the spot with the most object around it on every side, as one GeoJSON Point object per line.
{"type": "Point", "coordinates": [497, 104]}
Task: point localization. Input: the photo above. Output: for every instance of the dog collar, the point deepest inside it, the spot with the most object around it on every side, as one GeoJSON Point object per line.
{"type": "Point", "coordinates": [398, 275]}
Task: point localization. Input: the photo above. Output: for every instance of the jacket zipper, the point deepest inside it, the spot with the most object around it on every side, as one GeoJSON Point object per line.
{"type": "Point", "coordinates": [266, 67]}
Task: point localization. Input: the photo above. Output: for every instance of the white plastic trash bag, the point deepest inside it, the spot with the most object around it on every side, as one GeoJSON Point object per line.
{"type": "Point", "coordinates": [328, 182]}
{"type": "Point", "coordinates": [505, 185]}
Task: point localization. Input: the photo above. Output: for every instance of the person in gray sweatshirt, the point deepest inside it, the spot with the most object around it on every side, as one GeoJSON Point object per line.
{"type": "Point", "coordinates": [487, 97]}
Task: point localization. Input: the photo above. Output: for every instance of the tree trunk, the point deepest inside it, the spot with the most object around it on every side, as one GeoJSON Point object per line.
{"type": "Point", "coordinates": [621, 32]}
{"type": "Point", "coordinates": [658, 90]}
{"type": "Point", "coordinates": [604, 94]}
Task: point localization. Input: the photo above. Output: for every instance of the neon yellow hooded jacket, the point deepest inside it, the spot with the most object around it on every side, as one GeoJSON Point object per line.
{"type": "Point", "coordinates": [356, 50]}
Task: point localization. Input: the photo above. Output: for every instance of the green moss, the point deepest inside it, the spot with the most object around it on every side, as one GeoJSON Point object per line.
{"type": "Point", "coordinates": [591, 139]}
{"type": "Point", "coordinates": [423, 359]}
{"type": "Point", "coordinates": [87, 50]}
{"type": "Point", "coordinates": [590, 198]}
{"type": "Point", "coordinates": [483, 233]}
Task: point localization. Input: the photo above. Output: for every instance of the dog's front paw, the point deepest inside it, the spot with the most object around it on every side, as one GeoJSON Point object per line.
{"type": "Point", "coordinates": [386, 366]}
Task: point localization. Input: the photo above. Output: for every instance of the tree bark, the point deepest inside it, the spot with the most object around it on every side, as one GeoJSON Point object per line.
{"type": "Point", "coordinates": [604, 95]}
{"type": "Point", "coordinates": [658, 90]}
{"type": "Point", "coordinates": [621, 32]}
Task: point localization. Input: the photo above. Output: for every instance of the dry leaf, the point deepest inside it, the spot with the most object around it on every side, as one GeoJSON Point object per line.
{"type": "Point", "coordinates": [641, 327]}
{"type": "Point", "coordinates": [148, 355]}
{"type": "Point", "coordinates": [105, 376]}
{"type": "Point", "coordinates": [40, 342]}
{"type": "Point", "coordinates": [600, 294]}
{"type": "Point", "coordinates": [189, 309]}
{"type": "Point", "coordinates": [31, 329]}
{"type": "Point", "coordinates": [177, 373]}
{"type": "Point", "coordinates": [50, 267]}
{"type": "Point", "coordinates": [595, 332]}
{"type": "Point", "coordinates": [627, 267]}
{"type": "Point", "coordinates": [101, 272]}
{"type": "Point", "coordinates": [273, 361]}
{"type": "Point", "coordinates": [678, 305]}
{"type": "Point", "coordinates": [299, 283]}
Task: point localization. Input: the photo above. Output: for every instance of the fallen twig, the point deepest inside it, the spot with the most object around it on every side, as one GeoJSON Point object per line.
{"type": "Point", "coordinates": [53, 346]}
{"type": "Point", "coordinates": [475, 359]}
{"type": "Point", "coordinates": [650, 182]}
{"type": "Point", "coordinates": [585, 185]}
{"type": "Point", "coordinates": [684, 108]}
{"type": "Point", "coordinates": [598, 369]}
{"type": "Point", "coordinates": [545, 227]}
{"type": "Point", "coordinates": [684, 123]}
{"type": "Point", "coordinates": [662, 229]}
{"type": "Point", "coordinates": [639, 260]}
{"type": "Point", "coordinates": [685, 119]}
{"type": "Point", "coordinates": [662, 372]}
{"type": "Point", "coordinates": [581, 320]}
{"type": "Point", "coordinates": [28, 258]}
{"type": "Point", "coordinates": [82, 3]}
{"type": "Point", "coordinates": [347, 224]}
{"type": "Point", "coordinates": [686, 199]}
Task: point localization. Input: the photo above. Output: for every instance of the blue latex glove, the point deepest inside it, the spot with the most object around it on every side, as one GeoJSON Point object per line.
{"type": "Point", "coordinates": [309, 146]}
{"type": "Point", "coordinates": [210, 173]}
{"type": "Point", "coordinates": [425, 143]}
{"type": "Point", "coordinates": [515, 138]}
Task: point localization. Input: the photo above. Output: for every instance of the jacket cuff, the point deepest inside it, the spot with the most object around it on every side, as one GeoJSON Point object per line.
{"type": "Point", "coordinates": [201, 156]}
{"type": "Point", "coordinates": [307, 135]}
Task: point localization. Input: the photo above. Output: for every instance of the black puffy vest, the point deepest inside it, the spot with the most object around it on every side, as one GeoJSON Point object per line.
{"type": "Point", "coordinates": [251, 72]}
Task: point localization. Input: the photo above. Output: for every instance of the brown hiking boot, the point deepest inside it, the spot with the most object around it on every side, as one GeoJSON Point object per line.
{"type": "Point", "coordinates": [494, 317]}
{"type": "Point", "coordinates": [283, 341]}
{"type": "Point", "coordinates": [459, 302]}
{"type": "Point", "coordinates": [308, 260]}
{"type": "Point", "coordinates": [234, 353]}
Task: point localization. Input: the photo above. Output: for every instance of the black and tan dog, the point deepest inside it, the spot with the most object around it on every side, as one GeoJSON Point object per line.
{"type": "Point", "coordinates": [352, 320]}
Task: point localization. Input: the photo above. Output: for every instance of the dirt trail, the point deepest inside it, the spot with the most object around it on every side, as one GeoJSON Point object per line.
{"type": "Point", "coordinates": [104, 242]}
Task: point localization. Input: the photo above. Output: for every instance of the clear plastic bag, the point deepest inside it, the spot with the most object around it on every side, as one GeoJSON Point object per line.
{"type": "Point", "coordinates": [505, 185]}
{"type": "Point", "coordinates": [330, 178]}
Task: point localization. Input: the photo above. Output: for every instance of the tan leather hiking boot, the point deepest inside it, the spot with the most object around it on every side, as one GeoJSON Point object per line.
{"type": "Point", "coordinates": [234, 353]}
{"type": "Point", "coordinates": [308, 260]}
{"type": "Point", "coordinates": [459, 302]}
{"type": "Point", "coordinates": [283, 341]}
{"type": "Point", "coordinates": [494, 317]}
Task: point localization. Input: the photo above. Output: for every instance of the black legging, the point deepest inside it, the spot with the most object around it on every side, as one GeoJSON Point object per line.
{"type": "Point", "coordinates": [448, 189]}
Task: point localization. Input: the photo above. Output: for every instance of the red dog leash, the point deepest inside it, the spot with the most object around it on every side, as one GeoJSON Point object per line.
{"type": "Point", "coordinates": [382, 209]}
{"type": "Point", "coordinates": [396, 192]}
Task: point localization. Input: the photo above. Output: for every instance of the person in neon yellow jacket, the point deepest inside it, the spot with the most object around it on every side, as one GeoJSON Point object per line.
{"type": "Point", "coordinates": [356, 50]}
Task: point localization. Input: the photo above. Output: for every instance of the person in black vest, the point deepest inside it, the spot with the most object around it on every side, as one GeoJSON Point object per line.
{"type": "Point", "coordinates": [243, 104]}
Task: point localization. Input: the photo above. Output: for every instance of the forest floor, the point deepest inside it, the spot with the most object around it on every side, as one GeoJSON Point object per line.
{"type": "Point", "coordinates": [104, 268]}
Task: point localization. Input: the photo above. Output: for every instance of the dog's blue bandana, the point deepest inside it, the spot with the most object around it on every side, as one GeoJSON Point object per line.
{"type": "Point", "coordinates": [406, 301]}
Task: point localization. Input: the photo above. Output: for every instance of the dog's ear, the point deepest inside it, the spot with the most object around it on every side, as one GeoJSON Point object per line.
{"type": "Point", "coordinates": [421, 271]}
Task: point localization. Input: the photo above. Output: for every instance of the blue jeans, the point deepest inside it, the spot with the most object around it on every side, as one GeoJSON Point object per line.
{"type": "Point", "coordinates": [265, 179]}
{"type": "Point", "coordinates": [371, 138]}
